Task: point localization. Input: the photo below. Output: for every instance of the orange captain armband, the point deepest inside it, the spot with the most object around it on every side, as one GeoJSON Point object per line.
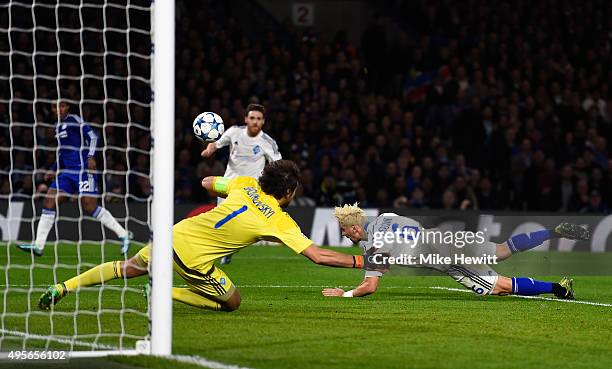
{"type": "Point", "coordinates": [358, 261]}
{"type": "Point", "coordinates": [219, 184]}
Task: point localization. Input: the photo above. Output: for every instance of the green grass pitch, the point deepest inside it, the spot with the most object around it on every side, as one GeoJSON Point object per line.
{"type": "Point", "coordinates": [284, 322]}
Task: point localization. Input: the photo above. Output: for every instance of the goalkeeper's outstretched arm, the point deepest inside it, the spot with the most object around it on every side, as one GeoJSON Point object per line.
{"type": "Point", "coordinates": [367, 287]}
{"type": "Point", "coordinates": [332, 258]}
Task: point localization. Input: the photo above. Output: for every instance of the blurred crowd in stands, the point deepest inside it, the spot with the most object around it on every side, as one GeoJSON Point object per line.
{"type": "Point", "coordinates": [441, 105]}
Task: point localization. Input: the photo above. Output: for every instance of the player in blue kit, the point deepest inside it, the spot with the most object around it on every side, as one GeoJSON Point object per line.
{"type": "Point", "coordinates": [75, 168]}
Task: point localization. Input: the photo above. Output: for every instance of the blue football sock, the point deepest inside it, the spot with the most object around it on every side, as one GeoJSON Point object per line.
{"type": "Point", "coordinates": [526, 241]}
{"type": "Point", "coordinates": [530, 287]}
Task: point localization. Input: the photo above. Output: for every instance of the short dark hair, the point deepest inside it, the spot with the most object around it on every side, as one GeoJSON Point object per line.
{"type": "Point", "coordinates": [255, 107]}
{"type": "Point", "coordinates": [63, 97]}
{"type": "Point", "coordinates": [279, 178]}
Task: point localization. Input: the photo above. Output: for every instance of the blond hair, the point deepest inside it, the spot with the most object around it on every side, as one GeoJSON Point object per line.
{"type": "Point", "coordinates": [349, 215]}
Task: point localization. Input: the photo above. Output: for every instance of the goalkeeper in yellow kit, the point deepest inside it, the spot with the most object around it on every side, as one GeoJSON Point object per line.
{"type": "Point", "coordinates": [251, 212]}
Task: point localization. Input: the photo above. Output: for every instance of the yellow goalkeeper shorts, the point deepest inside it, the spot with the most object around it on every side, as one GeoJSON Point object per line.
{"type": "Point", "coordinates": [208, 281]}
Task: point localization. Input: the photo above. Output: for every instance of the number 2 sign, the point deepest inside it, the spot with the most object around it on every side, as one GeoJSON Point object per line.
{"type": "Point", "coordinates": [303, 14]}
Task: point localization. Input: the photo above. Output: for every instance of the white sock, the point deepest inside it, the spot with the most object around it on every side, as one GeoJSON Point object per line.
{"type": "Point", "coordinates": [106, 218]}
{"type": "Point", "coordinates": [44, 227]}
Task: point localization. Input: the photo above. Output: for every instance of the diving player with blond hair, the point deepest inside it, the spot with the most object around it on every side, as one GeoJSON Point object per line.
{"type": "Point", "coordinates": [480, 278]}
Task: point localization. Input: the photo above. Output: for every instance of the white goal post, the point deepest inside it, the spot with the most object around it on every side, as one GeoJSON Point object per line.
{"type": "Point", "coordinates": [163, 182]}
{"type": "Point", "coordinates": [115, 58]}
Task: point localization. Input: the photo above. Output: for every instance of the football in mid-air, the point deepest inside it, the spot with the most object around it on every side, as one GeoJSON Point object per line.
{"type": "Point", "coordinates": [208, 126]}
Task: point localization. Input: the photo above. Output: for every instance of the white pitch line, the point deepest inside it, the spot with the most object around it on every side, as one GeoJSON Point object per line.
{"type": "Point", "coordinates": [197, 360]}
{"type": "Point", "coordinates": [592, 303]}
{"type": "Point", "coordinates": [66, 341]}
{"type": "Point", "coordinates": [184, 285]}
{"type": "Point", "coordinates": [315, 286]}
{"type": "Point", "coordinates": [203, 362]}
{"type": "Point", "coordinates": [532, 297]}
{"type": "Point", "coordinates": [435, 288]}
{"type": "Point", "coordinates": [111, 350]}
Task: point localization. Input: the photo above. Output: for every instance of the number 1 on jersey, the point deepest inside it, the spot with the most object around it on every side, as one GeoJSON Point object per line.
{"type": "Point", "coordinates": [229, 217]}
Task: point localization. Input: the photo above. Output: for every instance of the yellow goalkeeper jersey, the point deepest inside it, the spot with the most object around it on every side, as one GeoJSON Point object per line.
{"type": "Point", "coordinates": [246, 216]}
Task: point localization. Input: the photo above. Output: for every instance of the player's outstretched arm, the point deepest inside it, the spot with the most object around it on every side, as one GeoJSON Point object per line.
{"type": "Point", "coordinates": [367, 287]}
{"type": "Point", "coordinates": [216, 186]}
{"type": "Point", "coordinates": [332, 258]}
{"type": "Point", "coordinates": [209, 150]}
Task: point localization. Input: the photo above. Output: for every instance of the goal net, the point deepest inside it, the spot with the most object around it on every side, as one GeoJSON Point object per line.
{"type": "Point", "coordinates": [97, 55]}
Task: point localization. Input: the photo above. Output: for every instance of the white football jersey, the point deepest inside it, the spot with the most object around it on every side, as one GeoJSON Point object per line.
{"type": "Point", "coordinates": [388, 222]}
{"type": "Point", "coordinates": [248, 155]}
{"type": "Point", "coordinates": [479, 278]}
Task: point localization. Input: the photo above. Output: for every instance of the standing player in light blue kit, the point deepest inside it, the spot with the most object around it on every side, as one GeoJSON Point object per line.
{"type": "Point", "coordinates": [250, 149]}
{"type": "Point", "coordinates": [75, 166]}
